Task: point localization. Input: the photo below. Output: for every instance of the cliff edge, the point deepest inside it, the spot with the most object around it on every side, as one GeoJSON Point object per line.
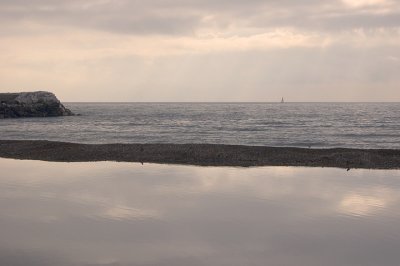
{"type": "Point", "coordinates": [31, 104]}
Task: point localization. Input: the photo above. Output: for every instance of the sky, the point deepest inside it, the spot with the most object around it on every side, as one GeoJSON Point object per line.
{"type": "Point", "coordinates": [202, 50]}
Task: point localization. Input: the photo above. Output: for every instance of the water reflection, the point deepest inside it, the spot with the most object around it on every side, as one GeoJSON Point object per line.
{"type": "Point", "coordinates": [128, 214]}
{"type": "Point", "coordinates": [367, 202]}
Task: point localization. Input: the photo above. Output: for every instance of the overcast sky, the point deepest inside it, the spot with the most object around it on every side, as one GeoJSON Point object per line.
{"type": "Point", "coordinates": [202, 50]}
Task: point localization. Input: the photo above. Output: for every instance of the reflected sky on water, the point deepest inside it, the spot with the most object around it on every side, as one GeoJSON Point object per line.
{"type": "Point", "coordinates": [109, 213]}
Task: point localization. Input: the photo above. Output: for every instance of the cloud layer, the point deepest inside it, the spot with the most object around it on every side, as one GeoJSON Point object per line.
{"type": "Point", "coordinates": [74, 46]}
{"type": "Point", "coordinates": [180, 17]}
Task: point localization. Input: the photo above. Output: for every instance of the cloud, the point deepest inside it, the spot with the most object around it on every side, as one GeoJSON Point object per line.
{"type": "Point", "coordinates": [364, 3]}
{"type": "Point", "coordinates": [85, 46]}
{"type": "Point", "coordinates": [177, 17]}
{"type": "Point", "coordinates": [121, 212]}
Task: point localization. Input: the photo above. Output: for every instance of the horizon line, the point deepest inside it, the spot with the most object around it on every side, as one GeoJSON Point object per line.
{"type": "Point", "coordinates": [277, 102]}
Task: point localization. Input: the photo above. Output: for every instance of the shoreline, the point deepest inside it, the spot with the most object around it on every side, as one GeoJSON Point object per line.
{"type": "Point", "coordinates": [200, 154]}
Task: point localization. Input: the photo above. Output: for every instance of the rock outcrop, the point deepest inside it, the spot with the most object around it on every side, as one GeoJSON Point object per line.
{"type": "Point", "coordinates": [31, 104]}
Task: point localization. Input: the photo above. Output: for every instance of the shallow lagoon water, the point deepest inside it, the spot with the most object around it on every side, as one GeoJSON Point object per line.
{"type": "Point", "coordinates": [109, 213]}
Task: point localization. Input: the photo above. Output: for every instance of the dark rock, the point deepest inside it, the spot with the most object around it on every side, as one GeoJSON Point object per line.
{"type": "Point", "coordinates": [31, 104]}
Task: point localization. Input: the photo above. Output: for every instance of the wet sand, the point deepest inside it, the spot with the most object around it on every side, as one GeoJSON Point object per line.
{"type": "Point", "coordinates": [200, 154]}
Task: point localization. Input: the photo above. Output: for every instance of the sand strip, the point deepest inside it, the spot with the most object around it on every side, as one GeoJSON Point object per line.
{"type": "Point", "coordinates": [200, 154]}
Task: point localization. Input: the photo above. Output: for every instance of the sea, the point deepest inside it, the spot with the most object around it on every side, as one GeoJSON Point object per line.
{"type": "Point", "coordinates": [311, 125]}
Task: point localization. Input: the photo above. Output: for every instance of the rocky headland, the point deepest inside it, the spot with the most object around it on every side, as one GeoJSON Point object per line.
{"type": "Point", "coordinates": [31, 104]}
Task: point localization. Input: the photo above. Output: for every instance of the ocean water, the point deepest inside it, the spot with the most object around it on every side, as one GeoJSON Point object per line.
{"type": "Point", "coordinates": [315, 125]}
{"type": "Point", "coordinates": [128, 214]}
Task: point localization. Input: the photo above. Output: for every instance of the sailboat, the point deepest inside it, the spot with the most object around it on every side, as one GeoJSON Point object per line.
{"type": "Point", "coordinates": [282, 101]}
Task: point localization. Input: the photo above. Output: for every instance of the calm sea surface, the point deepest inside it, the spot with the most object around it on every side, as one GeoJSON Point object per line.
{"type": "Point", "coordinates": [358, 125]}
{"type": "Point", "coordinates": [120, 214]}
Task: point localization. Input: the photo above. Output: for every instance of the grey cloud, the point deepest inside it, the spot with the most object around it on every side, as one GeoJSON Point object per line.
{"type": "Point", "coordinates": [184, 17]}
{"type": "Point", "coordinates": [28, 257]}
{"type": "Point", "coordinates": [115, 16]}
{"type": "Point", "coordinates": [363, 21]}
{"type": "Point", "coordinates": [333, 19]}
